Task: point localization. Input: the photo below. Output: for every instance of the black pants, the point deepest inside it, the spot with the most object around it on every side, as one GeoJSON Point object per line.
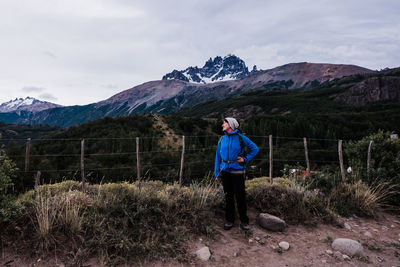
{"type": "Point", "coordinates": [234, 188]}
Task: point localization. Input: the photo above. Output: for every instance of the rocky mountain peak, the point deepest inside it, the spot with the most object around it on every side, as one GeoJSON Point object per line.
{"type": "Point", "coordinates": [218, 69]}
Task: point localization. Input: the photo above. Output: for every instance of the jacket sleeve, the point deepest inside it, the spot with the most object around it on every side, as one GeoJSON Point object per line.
{"type": "Point", "coordinates": [253, 149]}
{"type": "Point", "coordinates": [217, 160]}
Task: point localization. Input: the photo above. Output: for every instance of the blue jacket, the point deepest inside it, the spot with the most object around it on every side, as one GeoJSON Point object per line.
{"type": "Point", "coordinates": [229, 149]}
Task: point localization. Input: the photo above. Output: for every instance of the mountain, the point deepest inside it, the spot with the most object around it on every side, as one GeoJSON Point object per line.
{"type": "Point", "coordinates": [170, 95]}
{"type": "Point", "coordinates": [29, 104]}
{"type": "Point", "coordinates": [218, 69]}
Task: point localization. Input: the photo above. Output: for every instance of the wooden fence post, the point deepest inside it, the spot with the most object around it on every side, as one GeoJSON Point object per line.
{"type": "Point", "coordinates": [36, 188]}
{"type": "Point", "coordinates": [341, 160]}
{"type": "Point", "coordinates": [369, 155]}
{"type": "Point", "coordinates": [27, 152]}
{"type": "Point", "coordinates": [137, 160]}
{"type": "Point", "coordinates": [182, 160]}
{"type": "Point", "coordinates": [306, 155]}
{"type": "Point", "coordinates": [270, 159]}
{"type": "Point", "coordinates": [83, 163]}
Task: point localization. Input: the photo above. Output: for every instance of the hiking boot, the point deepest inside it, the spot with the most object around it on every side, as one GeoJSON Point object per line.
{"type": "Point", "coordinates": [245, 226]}
{"type": "Point", "coordinates": [228, 225]}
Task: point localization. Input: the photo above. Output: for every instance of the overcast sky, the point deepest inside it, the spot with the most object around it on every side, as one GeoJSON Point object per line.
{"type": "Point", "coordinates": [75, 52]}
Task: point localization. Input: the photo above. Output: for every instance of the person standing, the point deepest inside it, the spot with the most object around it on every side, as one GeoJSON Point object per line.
{"type": "Point", "coordinates": [230, 168]}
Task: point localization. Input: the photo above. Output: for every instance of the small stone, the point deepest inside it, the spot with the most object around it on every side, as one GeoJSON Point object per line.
{"type": "Point", "coordinates": [368, 234]}
{"type": "Point", "coordinates": [329, 252]}
{"type": "Point", "coordinates": [393, 226]}
{"type": "Point", "coordinates": [347, 246]}
{"type": "Point", "coordinates": [203, 254]}
{"type": "Point", "coordinates": [375, 230]}
{"type": "Point", "coordinates": [338, 255]}
{"type": "Point", "coordinates": [284, 245]}
{"type": "Point", "coordinates": [356, 225]}
{"type": "Point", "coordinates": [273, 247]}
{"type": "Point", "coordinates": [345, 257]}
{"type": "Point", "coordinates": [200, 239]}
{"type": "Point", "coordinates": [236, 254]}
{"type": "Point", "coordinates": [384, 228]}
{"type": "Point", "coordinates": [257, 238]}
{"type": "Point", "coordinates": [262, 242]}
{"type": "Point", "coordinates": [251, 240]}
{"type": "Point", "coordinates": [347, 226]}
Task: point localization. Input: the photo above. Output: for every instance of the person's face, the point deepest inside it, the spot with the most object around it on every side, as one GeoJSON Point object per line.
{"type": "Point", "coordinates": [225, 126]}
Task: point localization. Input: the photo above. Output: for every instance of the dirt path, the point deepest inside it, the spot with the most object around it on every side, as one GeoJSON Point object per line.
{"type": "Point", "coordinates": [308, 246]}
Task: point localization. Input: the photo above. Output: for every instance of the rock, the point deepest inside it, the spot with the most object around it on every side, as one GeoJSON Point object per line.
{"type": "Point", "coordinates": [347, 246]}
{"type": "Point", "coordinates": [329, 252]}
{"type": "Point", "coordinates": [271, 222]}
{"type": "Point", "coordinates": [203, 254]}
{"type": "Point", "coordinates": [347, 226]}
{"type": "Point", "coordinates": [251, 241]}
{"type": "Point", "coordinates": [368, 234]}
{"type": "Point", "coordinates": [338, 255]}
{"type": "Point", "coordinates": [284, 245]}
{"type": "Point", "coordinates": [345, 257]}
{"type": "Point", "coordinates": [236, 254]}
{"type": "Point", "coordinates": [257, 238]}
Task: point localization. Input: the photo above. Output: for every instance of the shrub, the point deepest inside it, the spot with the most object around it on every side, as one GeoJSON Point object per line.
{"type": "Point", "coordinates": [293, 203]}
{"type": "Point", "coordinates": [359, 198]}
{"type": "Point", "coordinates": [385, 161]}
{"type": "Point", "coordinates": [120, 221]}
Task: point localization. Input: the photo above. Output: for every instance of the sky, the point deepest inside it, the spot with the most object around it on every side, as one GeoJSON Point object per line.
{"type": "Point", "coordinates": [78, 52]}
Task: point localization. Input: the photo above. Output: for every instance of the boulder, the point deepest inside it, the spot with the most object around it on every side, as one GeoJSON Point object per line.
{"type": "Point", "coordinates": [271, 222]}
{"type": "Point", "coordinates": [203, 254]}
{"type": "Point", "coordinates": [347, 246]}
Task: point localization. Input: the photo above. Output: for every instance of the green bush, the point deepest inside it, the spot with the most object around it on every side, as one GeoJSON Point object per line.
{"type": "Point", "coordinates": [8, 210]}
{"type": "Point", "coordinates": [385, 161]}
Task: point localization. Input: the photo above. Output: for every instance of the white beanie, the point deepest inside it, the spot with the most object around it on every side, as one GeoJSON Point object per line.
{"type": "Point", "coordinates": [232, 123]}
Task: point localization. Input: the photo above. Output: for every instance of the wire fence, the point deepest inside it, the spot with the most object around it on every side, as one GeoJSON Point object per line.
{"type": "Point", "coordinates": [180, 157]}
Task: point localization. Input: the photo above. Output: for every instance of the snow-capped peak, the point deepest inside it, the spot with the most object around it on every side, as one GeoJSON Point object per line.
{"type": "Point", "coordinates": [26, 104]}
{"type": "Point", "coordinates": [214, 70]}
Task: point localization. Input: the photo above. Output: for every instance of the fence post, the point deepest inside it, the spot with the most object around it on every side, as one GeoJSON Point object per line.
{"type": "Point", "coordinates": [137, 159]}
{"type": "Point", "coordinates": [306, 155]}
{"type": "Point", "coordinates": [369, 155]}
{"type": "Point", "coordinates": [36, 188]}
{"type": "Point", "coordinates": [182, 160]}
{"type": "Point", "coordinates": [270, 159]}
{"type": "Point", "coordinates": [341, 160]}
{"type": "Point", "coordinates": [27, 152]}
{"type": "Point", "coordinates": [83, 163]}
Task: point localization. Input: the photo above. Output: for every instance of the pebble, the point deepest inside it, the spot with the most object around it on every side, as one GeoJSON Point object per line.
{"type": "Point", "coordinates": [368, 234]}
{"type": "Point", "coordinates": [347, 226]}
{"type": "Point", "coordinates": [375, 230]}
{"type": "Point", "coordinates": [385, 228]}
{"type": "Point", "coordinates": [236, 254]}
{"type": "Point", "coordinates": [337, 255]}
{"type": "Point", "coordinates": [284, 245]}
{"type": "Point", "coordinates": [329, 252]}
{"type": "Point", "coordinates": [393, 226]}
{"type": "Point", "coordinates": [345, 257]}
{"type": "Point", "coordinates": [257, 238]}
{"type": "Point", "coordinates": [203, 253]}
{"type": "Point", "coordinates": [251, 241]}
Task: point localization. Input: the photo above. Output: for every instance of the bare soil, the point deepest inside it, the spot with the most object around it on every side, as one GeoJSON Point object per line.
{"type": "Point", "coordinates": [259, 247]}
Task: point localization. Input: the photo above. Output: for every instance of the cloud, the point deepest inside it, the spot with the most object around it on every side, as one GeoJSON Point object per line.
{"type": "Point", "coordinates": [47, 96]}
{"type": "Point", "coordinates": [32, 89]}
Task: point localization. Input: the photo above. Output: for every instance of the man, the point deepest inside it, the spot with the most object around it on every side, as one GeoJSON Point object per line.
{"type": "Point", "coordinates": [230, 169]}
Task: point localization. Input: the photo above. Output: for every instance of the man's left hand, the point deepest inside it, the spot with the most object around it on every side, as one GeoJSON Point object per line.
{"type": "Point", "coordinates": [240, 159]}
